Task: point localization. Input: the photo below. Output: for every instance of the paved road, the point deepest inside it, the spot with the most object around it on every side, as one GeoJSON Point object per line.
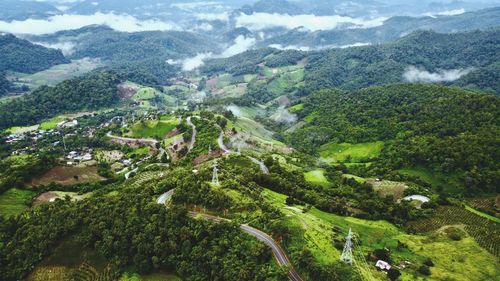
{"type": "Point", "coordinates": [164, 197]}
{"type": "Point", "coordinates": [278, 252]}
{"type": "Point", "coordinates": [127, 175]}
{"type": "Point", "coordinates": [220, 141]}
{"type": "Point", "coordinates": [150, 142]}
{"type": "Point", "coordinates": [261, 164]}
{"type": "Point", "coordinates": [193, 136]}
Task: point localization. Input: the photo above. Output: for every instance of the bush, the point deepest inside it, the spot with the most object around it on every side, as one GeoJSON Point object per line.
{"type": "Point", "coordinates": [425, 270]}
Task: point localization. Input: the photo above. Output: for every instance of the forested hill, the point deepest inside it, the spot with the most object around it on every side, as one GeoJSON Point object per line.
{"type": "Point", "coordinates": [22, 56]}
{"type": "Point", "coordinates": [355, 68]}
{"type": "Point", "coordinates": [92, 91]}
{"type": "Point", "coordinates": [4, 84]}
{"type": "Point", "coordinates": [391, 30]}
{"type": "Point", "coordinates": [142, 56]}
{"type": "Point", "coordinates": [447, 129]}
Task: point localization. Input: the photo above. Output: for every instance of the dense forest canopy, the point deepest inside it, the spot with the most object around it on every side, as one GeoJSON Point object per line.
{"type": "Point", "coordinates": [355, 68]}
{"type": "Point", "coordinates": [448, 129]}
{"type": "Point", "coordinates": [22, 56]}
{"type": "Point", "coordinates": [92, 91]}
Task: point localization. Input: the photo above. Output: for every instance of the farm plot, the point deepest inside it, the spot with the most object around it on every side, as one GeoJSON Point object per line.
{"type": "Point", "coordinates": [484, 231]}
{"type": "Point", "coordinates": [14, 201]}
{"type": "Point", "coordinates": [350, 153]}
{"type": "Point", "coordinates": [66, 175]}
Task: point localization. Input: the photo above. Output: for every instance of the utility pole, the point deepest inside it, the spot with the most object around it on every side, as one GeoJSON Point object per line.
{"type": "Point", "coordinates": [215, 176]}
{"type": "Point", "coordinates": [346, 256]}
{"type": "Point", "coordinates": [209, 149]}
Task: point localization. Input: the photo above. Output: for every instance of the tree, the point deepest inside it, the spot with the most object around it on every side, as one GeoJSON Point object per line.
{"type": "Point", "coordinates": [393, 274]}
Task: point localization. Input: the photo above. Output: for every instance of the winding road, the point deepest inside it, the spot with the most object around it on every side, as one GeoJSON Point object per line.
{"type": "Point", "coordinates": [150, 142]}
{"type": "Point", "coordinates": [278, 252]}
{"type": "Point", "coordinates": [220, 142]}
{"type": "Point", "coordinates": [193, 136]}
{"type": "Point", "coordinates": [261, 164]}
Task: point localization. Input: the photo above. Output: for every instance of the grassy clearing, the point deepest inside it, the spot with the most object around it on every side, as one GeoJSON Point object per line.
{"type": "Point", "coordinates": [356, 178]}
{"type": "Point", "coordinates": [352, 153]}
{"type": "Point", "coordinates": [317, 177]}
{"type": "Point", "coordinates": [65, 175]}
{"type": "Point", "coordinates": [449, 181]}
{"type": "Point", "coordinates": [22, 129]}
{"type": "Point", "coordinates": [256, 131]}
{"type": "Point", "coordinates": [60, 72]}
{"type": "Point", "coordinates": [153, 128]}
{"type": "Point", "coordinates": [145, 94]}
{"type": "Point", "coordinates": [13, 201]}
{"type": "Point", "coordinates": [386, 187]}
{"type": "Point", "coordinates": [314, 230]}
{"type": "Point", "coordinates": [52, 123]}
{"type": "Point", "coordinates": [139, 152]}
{"type": "Point", "coordinates": [484, 215]}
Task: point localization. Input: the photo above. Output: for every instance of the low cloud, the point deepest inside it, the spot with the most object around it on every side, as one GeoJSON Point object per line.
{"type": "Point", "coordinates": [67, 48]}
{"type": "Point", "coordinates": [240, 44]}
{"type": "Point", "coordinates": [57, 23]}
{"type": "Point", "coordinates": [284, 116]}
{"type": "Point", "coordinates": [212, 17]}
{"type": "Point", "coordinates": [415, 75]}
{"type": "Point", "coordinates": [446, 13]}
{"type": "Point", "coordinates": [260, 21]}
{"type": "Point", "coordinates": [318, 48]}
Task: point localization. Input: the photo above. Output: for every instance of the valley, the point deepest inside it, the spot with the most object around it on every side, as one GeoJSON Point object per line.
{"type": "Point", "coordinates": [264, 140]}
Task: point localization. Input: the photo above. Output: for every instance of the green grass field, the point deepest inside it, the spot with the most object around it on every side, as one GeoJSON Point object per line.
{"type": "Point", "coordinates": [156, 128]}
{"type": "Point", "coordinates": [314, 230]}
{"type": "Point", "coordinates": [484, 215]}
{"type": "Point", "coordinates": [317, 177]}
{"type": "Point", "coordinates": [351, 153]}
{"type": "Point", "coordinates": [13, 201]}
{"type": "Point", "coordinates": [51, 123]}
{"type": "Point", "coordinates": [59, 73]}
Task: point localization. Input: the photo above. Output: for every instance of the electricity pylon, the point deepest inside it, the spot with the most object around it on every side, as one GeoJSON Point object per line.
{"type": "Point", "coordinates": [346, 256]}
{"type": "Point", "coordinates": [215, 177]}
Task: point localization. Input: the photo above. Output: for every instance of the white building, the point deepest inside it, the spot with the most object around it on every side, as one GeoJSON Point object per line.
{"type": "Point", "coordinates": [383, 265]}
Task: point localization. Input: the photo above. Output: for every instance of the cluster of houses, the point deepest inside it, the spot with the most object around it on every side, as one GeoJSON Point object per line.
{"type": "Point", "coordinates": [76, 157]}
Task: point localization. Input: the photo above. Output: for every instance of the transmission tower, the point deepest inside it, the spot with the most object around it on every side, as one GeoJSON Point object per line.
{"type": "Point", "coordinates": [215, 177]}
{"type": "Point", "coordinates": [346, 256]}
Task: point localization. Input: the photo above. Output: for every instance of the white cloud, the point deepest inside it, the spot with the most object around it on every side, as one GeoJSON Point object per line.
{"type": "Point", "coordinates": [67, 48]}
{"type": "Point", "coordinates": [212, 17]}
{"type": "Point", "coordinates": [446, 13]}
{"type": "Point", "coordinates": [290, 47]}
{"type": "Point", "coordinates": [307, 48]}
{"type": "Point", "coordinates": [193, 5]}
{"type": "Point", "coordinates": [56, 23]}
{"type": "Point", "coordinates": [241, 44]}
{"type": "Point", "coordinates": [260, 21]}
{"type": "Point", "coordinates": [284, 116]}
{"type": "Point", "coordinates": [415, 75]}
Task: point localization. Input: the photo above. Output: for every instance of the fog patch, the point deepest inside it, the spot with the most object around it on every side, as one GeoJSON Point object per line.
{"type": "Point", "coordinates": [290, 47]}
{"type": "Point", "coordinates": [125, 23]}
{"type": "Point", "coordinates": [261, 21]}
{"type": "Point", "coordinates": [240, 44]}
{"type": "Point", "coordinates": [415, 75]}
{"type": "Point", "coordinates": [455, 12]}
{"type": "Point", "coordinates": [235, 110]}
{"type": "Point", "coordinates": [212, 17]}
{"type": "Point", "coordinates": [67, 48]}
{"type": "Point", "coordinates": [282, 115]}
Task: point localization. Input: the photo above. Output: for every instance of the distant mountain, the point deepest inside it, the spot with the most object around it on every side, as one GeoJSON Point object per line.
{"type": "Point", "coordinates": [23, 56]}
{"type": "Point", "coordinates": [429, 52]}
{"type": "Point", "coordinates": [21, 10]}
{"type": "Point", "coordinates": [272, 6]}
{"type": "Point", "coordinates": [391, 30]}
